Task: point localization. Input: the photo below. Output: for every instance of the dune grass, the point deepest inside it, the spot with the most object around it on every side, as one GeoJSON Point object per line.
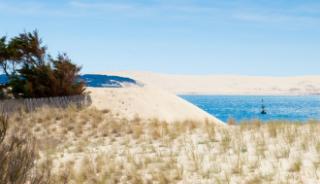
{"type": "Point", "coordinates": [92, 146]}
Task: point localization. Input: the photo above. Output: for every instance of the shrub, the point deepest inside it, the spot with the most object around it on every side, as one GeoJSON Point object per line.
{"type": "Point", "coordinates": [17, 157]}
{"type": "Point", "coordinates": [3, 127]}
{"type": "Point", "coordinates": [231, 121]}
{"type": "Point", "coordinates": [33, 73]}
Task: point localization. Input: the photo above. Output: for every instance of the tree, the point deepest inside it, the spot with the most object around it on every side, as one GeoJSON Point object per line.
{"type": "Point", "coordinates": [4, 56]}
{"type": "Point", "coordinates": [67, 76]}
{"type": "Point", "coordinates": [33, 73]}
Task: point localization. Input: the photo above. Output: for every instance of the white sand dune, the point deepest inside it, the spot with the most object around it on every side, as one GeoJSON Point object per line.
{"type": "Point", "coordinates": [156, 99]}
{"type": "Point", "coordinates": [228, 84]}
{"type": "Point", "coordinates": [147, 103]}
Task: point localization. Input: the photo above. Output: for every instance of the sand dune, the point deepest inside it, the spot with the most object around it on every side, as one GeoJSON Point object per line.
{"type": "Point", "coordinates": [147, 103]}
{"type": "Point", "coordinates": [228, 84]}
{"type": "Point", "coordinates": [157, 99]}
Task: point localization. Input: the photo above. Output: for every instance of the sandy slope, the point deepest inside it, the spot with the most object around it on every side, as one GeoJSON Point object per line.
{"type": "Point", "coordinates": [229, 84]}
{"type": "Point", "coordinates": [146, 103]}
{"type": "Point", "coordinates": [91, 146]}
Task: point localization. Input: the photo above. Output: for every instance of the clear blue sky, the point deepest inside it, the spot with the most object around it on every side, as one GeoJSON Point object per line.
{"type": "Point", "coordinates": [250, 37]}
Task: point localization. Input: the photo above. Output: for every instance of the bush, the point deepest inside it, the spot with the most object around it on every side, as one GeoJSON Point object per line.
{"type": "Point", "coordinates": [17, 158]}
{"type": "Point", "coordinates": [33, 73]}
{"type": "Point", "coordinates": [3, 127]}
{"type": "Point", "coordinates": [2, 93]}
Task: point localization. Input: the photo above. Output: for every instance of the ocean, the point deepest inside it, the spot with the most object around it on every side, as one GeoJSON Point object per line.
{"type": "Point", "coordinates": [287, 108]}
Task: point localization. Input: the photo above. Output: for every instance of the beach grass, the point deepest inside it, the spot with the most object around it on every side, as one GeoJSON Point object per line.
{"type": "Point", "coordinates": [93, 146]}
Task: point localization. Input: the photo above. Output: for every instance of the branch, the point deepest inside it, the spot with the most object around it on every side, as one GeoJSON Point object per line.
{"type": "Point", "coordinates": [4, 67]}
{"type": "Point", "coordinates": [3, 126]}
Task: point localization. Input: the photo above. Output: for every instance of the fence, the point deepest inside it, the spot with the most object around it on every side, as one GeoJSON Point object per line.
{"type": "Point", "coordinates": [31, 104]}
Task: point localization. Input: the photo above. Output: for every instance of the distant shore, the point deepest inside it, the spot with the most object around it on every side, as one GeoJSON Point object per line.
{"type": "Point", "coordinates": [227, 84]}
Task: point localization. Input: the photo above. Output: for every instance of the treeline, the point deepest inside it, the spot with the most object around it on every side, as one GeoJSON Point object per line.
{"type": "Point", "coordinates": [33, 73]}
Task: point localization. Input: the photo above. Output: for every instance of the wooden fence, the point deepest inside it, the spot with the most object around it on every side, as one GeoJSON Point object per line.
{"type": "Point", "coordinates": [31, 104]}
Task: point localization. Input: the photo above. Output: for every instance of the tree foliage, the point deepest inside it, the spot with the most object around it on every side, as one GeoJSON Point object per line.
{"type": "Point", "coordinates": [34, 73]}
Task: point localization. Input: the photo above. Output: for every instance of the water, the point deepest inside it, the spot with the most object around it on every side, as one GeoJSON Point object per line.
{"type": "Point", "coordinates": [291, 108]}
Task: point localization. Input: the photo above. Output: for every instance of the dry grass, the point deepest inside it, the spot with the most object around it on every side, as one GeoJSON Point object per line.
{"type": "Point", "coordinates": [18, 157]}
{"type": "Point", "coordinates": [94, 146]}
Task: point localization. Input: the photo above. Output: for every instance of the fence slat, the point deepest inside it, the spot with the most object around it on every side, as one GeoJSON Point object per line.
{"type": "Point", "coordinates": [32, 104]}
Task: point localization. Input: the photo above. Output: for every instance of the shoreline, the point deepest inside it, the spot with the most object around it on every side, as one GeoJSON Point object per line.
{"type": "Point", "coordinates": [239, 94]}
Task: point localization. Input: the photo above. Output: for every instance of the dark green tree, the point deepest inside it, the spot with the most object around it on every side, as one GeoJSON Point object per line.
{"type": "Point", "coordinates": [66, 74]}
{"type": "Point", "coordinates": [33, 73]}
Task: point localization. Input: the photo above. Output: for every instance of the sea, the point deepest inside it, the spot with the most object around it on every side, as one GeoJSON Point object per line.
{"type": "Point", "coordinates": [243, 108]}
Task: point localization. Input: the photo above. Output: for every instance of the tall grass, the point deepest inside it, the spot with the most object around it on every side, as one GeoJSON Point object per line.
{"type": "Point", "coordinates": [92, 146]}
{"type": "Point", "coordinates": [17, 157]}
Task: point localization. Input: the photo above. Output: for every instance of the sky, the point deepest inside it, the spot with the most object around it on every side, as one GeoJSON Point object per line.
{"type": "Point", "coordinates": [246, 37]}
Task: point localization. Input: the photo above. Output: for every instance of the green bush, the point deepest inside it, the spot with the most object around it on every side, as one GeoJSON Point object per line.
{"type": "Point", "coordinates": [34, 73]}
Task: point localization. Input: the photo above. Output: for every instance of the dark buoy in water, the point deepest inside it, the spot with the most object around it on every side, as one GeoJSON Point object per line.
{"type": "Point", "coordinates": [263, 108]}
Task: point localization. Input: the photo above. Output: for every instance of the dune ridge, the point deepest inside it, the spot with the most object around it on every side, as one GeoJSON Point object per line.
{"type": "Point", "coordinates": [147, 103]}
{"type": "Point", "coordinates": [228, 84]}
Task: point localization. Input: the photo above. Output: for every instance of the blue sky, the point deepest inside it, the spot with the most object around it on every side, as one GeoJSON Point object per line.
{"type": "Point", "coordinates": [248, 37]}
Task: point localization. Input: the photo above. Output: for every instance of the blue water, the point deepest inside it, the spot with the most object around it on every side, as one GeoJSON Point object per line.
{"type": "Point", "coordinates": [291, 108]}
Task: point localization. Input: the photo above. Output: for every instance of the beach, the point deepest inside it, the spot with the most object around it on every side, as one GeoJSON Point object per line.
{"type": "Point", "coordinates": [94, 146]}
{"type": "Point", "coordinates": [140, 133]}
{"type": "Point", "coordinates": [159, 92]}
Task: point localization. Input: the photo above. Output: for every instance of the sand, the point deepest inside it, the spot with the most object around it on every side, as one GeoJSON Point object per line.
{"type": "Point", "coordinates": [147, 103]}
{"type": "Point", "coordinates": [91, 146]}
{"type": "Point", "coordinates": [156, 98]}
{"type": "Point", "coordinates": [228, 84]}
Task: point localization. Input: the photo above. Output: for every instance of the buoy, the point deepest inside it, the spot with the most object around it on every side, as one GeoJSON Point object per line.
{"type": "Point", "coordinates": [263, 108]}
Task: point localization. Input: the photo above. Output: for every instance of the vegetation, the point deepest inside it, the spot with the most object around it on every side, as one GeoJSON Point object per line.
{"type": "Point", "coordinates": [34, 73]}
{"type": "Point", "coordinates": [92, 146]}
{"type": "Point", "coordinates": [17, 157]}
